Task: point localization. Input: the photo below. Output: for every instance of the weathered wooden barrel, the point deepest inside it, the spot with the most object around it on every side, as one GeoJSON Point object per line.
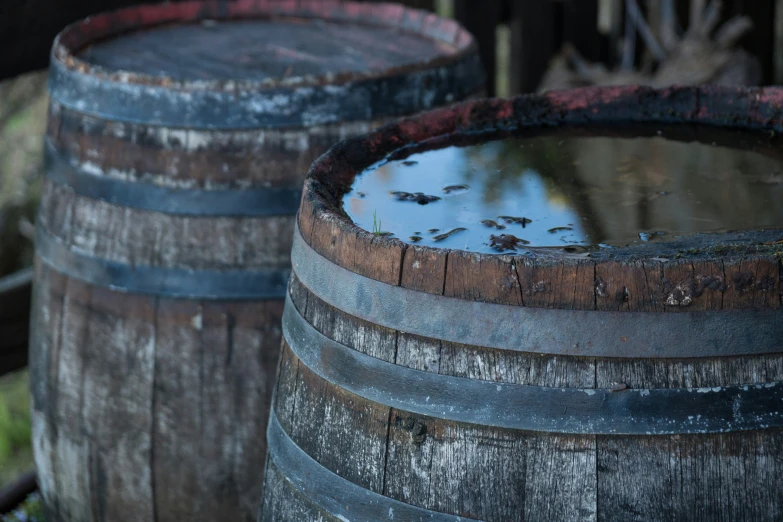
{"type": "Point", "coordinates": [178, 139]}
{"type": "Point", "coordinates": [642, 382]}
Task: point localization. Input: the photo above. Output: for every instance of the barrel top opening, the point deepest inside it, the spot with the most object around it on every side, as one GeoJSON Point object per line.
{"type": "Point", "coordinates": [684, 112]}
{"type": "Point", "coordinates": [573, 186]}
{"type": "Point", "coordinates": [255, 44]}
{"type": "Point", "coordinates": [254, 64]}
{"type": "Point", "coordinates": [261, 49]}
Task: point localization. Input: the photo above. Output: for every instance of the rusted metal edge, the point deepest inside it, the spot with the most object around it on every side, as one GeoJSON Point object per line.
{"type": "Point", "coordinates": [337, 496]}
{"type": "Point", "coordinates": [295, 102]}
{"type": "Point", "coordinates": [662, 411]}
{"type": "Point", "coordinates": [14, 493]}
{"type": "Point", "coordinates": [539, 330]}
{"type": "Point", "coordinates": [179, 283]}
{"type": "Point", "coordinates": [255, 202]}
{"type": "Point", "coordinates": [273, 108]}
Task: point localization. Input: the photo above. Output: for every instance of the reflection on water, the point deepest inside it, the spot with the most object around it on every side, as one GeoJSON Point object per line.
{"type": "Point", "coordinates": [560, 190]}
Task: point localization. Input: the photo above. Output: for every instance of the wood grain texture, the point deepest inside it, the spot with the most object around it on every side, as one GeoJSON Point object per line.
{"type": "Point", "coordinates": [283, 502]}
{"type": "Point", "coordinates": [479, 472]}
{"type": "Point", "coordinates": [262, 49]}
{"type": "Point", "coordinates": [494, 474]}
{"type": "Point", "coordinates": [170, 424]}
{"type": "Point", "coordinates": [142, 402]}
{"type": "Point", "coordinates": [152, 408]}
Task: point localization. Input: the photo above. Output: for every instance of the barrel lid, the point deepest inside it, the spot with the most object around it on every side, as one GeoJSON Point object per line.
{"type": "Point", "coordinates": [256, 63]}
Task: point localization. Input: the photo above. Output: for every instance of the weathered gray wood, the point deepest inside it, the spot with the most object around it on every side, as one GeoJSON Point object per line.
{"type": "Point", "coordinates": [690, 477]}
{"type": "Point", "coordinates": [487, 474]}
{"type": "Point", "coordinates": [117, 412]}
{"type": "Point", "coordinates": [282, 502]}
{"type": "Point", "coordinates": [44, 347]}
{"type": "Point", "coordinates": [175, 409]}
{"type": "Point", "coordinates": [104, 231]}
{"type": "Point", "coordinates": [478, 472]}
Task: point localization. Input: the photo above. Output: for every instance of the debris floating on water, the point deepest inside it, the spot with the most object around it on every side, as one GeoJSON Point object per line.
{"type": "Point", "coordinates": [455, 189]}
{"type": "Point", "coordinates": [506, 242]}
{"type": "Point", "coordinates": [418, 197]}
{"type": "Point", "coordinates": [564, 200]}
{"type": "Point", "coordinates": [513, 219]}
{"type": "Point", "coordinates": [492, 224]}
{"type": "Point", "coordinates": [441, 237]}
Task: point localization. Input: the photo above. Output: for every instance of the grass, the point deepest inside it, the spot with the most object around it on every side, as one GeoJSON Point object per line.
{"type": "Point", "coordinates": [376, 224]}
{"type": "Point", "coordinates": [15, 430]}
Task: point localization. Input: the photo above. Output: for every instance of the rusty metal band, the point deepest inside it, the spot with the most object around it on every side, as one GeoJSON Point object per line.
{"type": "Point", "coordinates": [332, 493]}
{"type": "Point", "coordinates": [369, 99]}
{"type": "Point", "coordinates": [188, 202]}
{"type": "Point", "coordinates": [167, 282]}
{"type": "Point", "coordinates": [659, 411]}
{"type": "Point", "coordinates": [538, 330]}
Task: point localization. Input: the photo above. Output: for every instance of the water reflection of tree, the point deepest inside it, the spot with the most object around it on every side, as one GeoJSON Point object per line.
{"type": "Point", "coordinates": [615, 185]}
{"type": "Point", "coordinates": [503, 164]}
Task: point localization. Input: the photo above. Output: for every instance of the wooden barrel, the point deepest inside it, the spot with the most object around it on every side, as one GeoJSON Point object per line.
{"type": "Point", "coordinates": [178, 139]}
{"type": "Point", "coordinates": [634, 383]}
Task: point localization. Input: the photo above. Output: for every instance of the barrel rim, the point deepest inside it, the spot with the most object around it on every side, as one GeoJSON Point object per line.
{"type": "Point", "coordinates": [79, 34]}
{"type": "Point", "coordinates": [713, 106]}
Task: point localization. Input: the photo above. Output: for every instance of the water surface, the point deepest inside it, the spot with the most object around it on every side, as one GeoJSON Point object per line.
{"type": "Point", "coordinates": [565, 190]}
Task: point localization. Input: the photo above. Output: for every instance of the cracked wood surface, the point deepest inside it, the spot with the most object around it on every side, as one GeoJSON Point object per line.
{"type": "Point", "coordinates": [499, 475]}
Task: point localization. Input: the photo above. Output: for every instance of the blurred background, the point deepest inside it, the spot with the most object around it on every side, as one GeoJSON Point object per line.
{"type": "Point", "coordinates": [527, 46]}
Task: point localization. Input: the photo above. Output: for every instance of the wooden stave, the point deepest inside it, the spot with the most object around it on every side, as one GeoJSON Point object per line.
{"type": "Point", "coordinates": [317, 415]}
